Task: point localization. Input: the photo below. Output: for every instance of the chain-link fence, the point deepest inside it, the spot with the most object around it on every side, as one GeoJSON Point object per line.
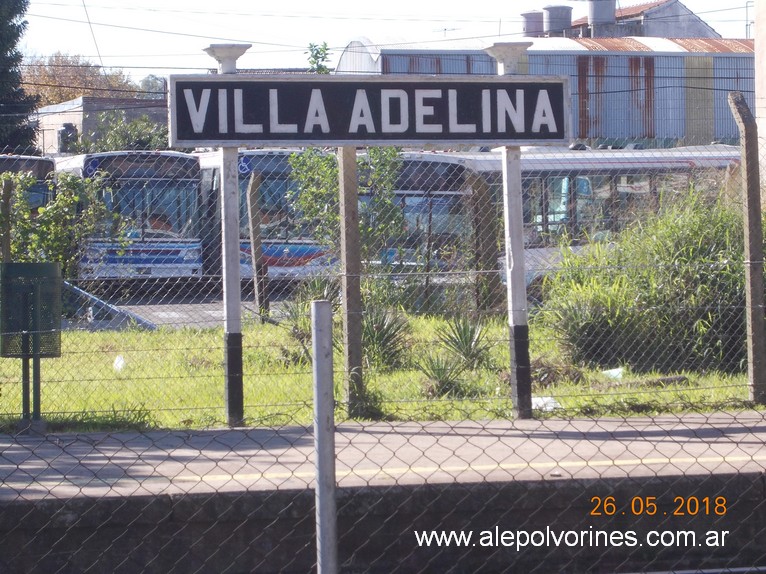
{"type": "Point", "coordinates": [645, 451]}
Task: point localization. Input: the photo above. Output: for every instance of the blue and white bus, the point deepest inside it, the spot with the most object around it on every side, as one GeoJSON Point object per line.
{"type": "Point", "coordinates": [42, 169]}
{"type": "Point", "coordinates": [289, 251]}
{"type": "Point", "coordinates": [577, 195]}
{"type": "Point", "coordinates": [451, 206]}
{"type": "Point", "coordinates": [156, 194]}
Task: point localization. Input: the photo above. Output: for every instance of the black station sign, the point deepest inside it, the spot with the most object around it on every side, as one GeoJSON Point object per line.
{"type": "Point", "coordinates": [234, 110]}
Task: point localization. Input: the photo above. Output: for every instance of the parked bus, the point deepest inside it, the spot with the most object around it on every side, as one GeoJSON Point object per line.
{"type": "Point", "coordinates": [156, 194]}
{"type": "Point", "coordinates": [451, 205]}
{"type": "Point", "coordinates": [289, 251]}
{"type": "Point", "coordinates": [575, 195]}
{"type": "Point", "coordinates": [42, 169]}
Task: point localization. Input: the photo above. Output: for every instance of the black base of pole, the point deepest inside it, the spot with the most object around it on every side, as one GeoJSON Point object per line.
{"type": "Point", "coordinates": [521, 372]}
{"type": "Point", "coordinates": [235, 405]}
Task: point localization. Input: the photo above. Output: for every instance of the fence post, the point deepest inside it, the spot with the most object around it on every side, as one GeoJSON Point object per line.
{"type": "Point", "coordinates": [324, 437]}
{"type": "Point", "coordinates": [260, 272]}
{"type": "Point", "coordinates": [351, 281]}
{"type": "Point", "coordinates": [5, 210]}
{"type": "Point", "coordinates": [754, 297]}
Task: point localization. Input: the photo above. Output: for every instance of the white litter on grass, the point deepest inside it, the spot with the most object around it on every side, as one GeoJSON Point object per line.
{"type": "Point", "coordinates": [119, 363]}
{"type": "Point", "coordinates": [614, 373]}
{"type": "Point", "coordinates": [545, 404]}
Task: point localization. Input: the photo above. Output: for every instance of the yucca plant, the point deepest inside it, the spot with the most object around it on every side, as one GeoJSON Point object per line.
{"type": "Point", "coordinates": [467, 340]}
{"type": "Point", "coordinates": [443, 375]}
{"type": "Point", "coordinates": [385, 338]}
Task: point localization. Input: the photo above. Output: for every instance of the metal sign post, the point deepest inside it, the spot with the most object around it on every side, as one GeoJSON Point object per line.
{"type": "Point", "coordinates": [508, 56]}
{"type": "Point", "coordinates": [226, 55]}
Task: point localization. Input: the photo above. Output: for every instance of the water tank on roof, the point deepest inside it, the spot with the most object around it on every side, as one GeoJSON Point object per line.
{"type": "Point", "coordinates": [557, 19]}
{"type": "Point", "coordinates": [532, 24]}
{"type": "Point", "coordinates": [601, 12]}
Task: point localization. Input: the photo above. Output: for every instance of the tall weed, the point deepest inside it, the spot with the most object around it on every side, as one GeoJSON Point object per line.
{"type": "Point", "coordinates": [667, 296]}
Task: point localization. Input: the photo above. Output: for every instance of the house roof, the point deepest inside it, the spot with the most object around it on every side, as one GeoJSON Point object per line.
{"type": "Point", "coordinates": [560, 44]}
{"type": "Point", "coordinates": [628, 12]}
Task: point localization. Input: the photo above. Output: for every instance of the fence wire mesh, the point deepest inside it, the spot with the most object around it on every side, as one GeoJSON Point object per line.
{"type": "Point", "coordinates": [645, 451]}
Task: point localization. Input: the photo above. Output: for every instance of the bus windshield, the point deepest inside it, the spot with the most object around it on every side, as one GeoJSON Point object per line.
{"type": "Point", "coordinates": [155, 208]}
{"type": "Point", "coordinates": [278, 220]}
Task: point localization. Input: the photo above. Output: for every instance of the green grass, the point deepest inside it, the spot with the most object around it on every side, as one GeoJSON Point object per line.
{"type": "Point", "coordinates": [175, 379]}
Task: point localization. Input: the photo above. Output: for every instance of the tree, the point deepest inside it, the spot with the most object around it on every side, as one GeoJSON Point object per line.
{"type": "Point", "coordinates": [319, 55]}
{"type": "Point", "coordinates": [317, 198]}
{"type": "Point", "coordinates": [58, 231]}
{"type": "Point", "coordinates": [63, 77]}
{"type": "Point", "coordinates": [153, 88]}
{"type": "Point", "coordinates": [16, 131]}
{"type": "Point", "coordinates": [115, 132]}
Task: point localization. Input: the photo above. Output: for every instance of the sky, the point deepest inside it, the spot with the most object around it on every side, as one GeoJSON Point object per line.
{"type": "Point", "coordinates": [161, 37]}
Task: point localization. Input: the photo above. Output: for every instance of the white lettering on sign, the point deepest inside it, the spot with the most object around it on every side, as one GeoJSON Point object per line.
{"type": "Point", "coordinates": [385, 111]}
{"type": "Point", "coordinates": [486, 116]}
{"type": "Point", "coordinates": [507, 109]}
{"type": "Point", "coordinates": [223, 112]}
{"type": "Point", "coordinates": [543, 113]}
{"type": "Point", "coordinates": [197, 113]}
{"type": "Point", "coordinates": [240, 126]}
{"type": "Point", "coordinates": [454, 126]}
{"type": "Point", "coordinates": [316, 114]}
{"type": "Point", "coordinates": [386, 99]}
{"type": "Point", "coordinates": [422, 111]}
{"type": "Point", "coordinates": [361, 114]}
{"type": "Point", "coordinates": [274, 126]}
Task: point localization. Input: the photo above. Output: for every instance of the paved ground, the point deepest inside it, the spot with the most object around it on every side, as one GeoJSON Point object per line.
{"type": "Point", "coordinates": [380, 454]}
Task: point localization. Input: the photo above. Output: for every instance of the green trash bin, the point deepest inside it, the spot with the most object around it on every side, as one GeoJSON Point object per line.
{"type": "Point", "coordinates": [30, 310]}
{"type": "Point", "coordinates": [30, 322]}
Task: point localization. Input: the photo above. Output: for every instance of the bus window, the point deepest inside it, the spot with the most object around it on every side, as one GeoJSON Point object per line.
{"type": "Point", "coordinates": [429, 176]}
{"type": "Point", "coordinates": [273, 206]}
{"type": "Point", "coordinates": [558, 200]}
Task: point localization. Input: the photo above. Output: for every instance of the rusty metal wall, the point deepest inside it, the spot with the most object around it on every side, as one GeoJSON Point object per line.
{"type": "Point", "coordinates": [640, 95]}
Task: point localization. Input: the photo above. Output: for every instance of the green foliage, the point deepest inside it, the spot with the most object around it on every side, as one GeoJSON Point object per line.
{"type": "Point", "coordinates": [57, 232]}
{"type": "Point", "coordinates": [16, 133]}
{"type": "Point", "coordinates": [443, 375]}
{"type": "Point", "coordinates": [385, 338]}
{"type": "Point", "coordinates": [319, 55]}
{"type": "Point", "coordinates": [317, 202]}
{"type": "Point", "coordinates": [297, 313]}
{"type": "Point", "coordinates": [466, 339]}
{"type": "Point", "coordinates": [115, 132]}
{"type": "Point", "coordinates": [668, 296]}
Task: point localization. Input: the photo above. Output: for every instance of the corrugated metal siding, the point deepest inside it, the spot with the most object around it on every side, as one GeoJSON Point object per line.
{"type": "Point", "coordinates": [716, 45]}
{"type": "Point", "coordinates": [664, 97]}
{"type": "Point", "coordinates": [624, 94]}
{"type": "Point", "coordinates": [669, 99]}
{"type": "Point", "coordinates": [699, 100]}
{"type": "Point", "coordinates": [438, 63]}
{"type": "Point", "coordinates": [731, 73]}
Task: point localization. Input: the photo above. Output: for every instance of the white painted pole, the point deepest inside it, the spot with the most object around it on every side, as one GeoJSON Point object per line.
{"type": "Point", "coordinates": [521, 376]}
{"type": "Point", "coordinates": [324, 438]}
{"type": "Point", "coordinates": [508, 56]}
{"type": "Point", "coordinates": [226, 55]}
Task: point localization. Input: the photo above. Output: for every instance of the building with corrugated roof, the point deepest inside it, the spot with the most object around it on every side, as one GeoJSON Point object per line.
{"type": "Point", "coordinates": [665, 83]}
{"type": "Point", "coordinates": [658, 91]}
{"type": "Point", "coordinates": [660, 19]}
